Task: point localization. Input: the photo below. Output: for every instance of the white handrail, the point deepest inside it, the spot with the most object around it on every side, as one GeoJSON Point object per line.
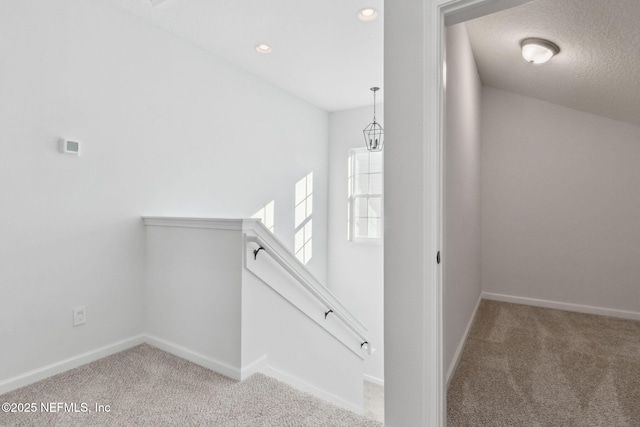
{"type": "Point", "coordinates": [296, 269]}
{"type": "Point", "coordinates": [255, 231]}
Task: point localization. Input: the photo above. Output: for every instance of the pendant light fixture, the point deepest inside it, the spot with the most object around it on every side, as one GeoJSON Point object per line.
{"type": "Point", "coordinates": [374, 133]}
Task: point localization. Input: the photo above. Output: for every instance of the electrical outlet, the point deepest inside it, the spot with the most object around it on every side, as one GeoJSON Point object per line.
{"type": "Point", "coordinates": [79, 316]}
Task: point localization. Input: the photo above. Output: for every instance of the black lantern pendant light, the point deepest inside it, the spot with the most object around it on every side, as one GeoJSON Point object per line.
{"type": "Point", "coordinates": [374, 133]}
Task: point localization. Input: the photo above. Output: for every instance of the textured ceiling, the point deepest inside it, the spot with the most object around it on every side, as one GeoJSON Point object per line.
{"type": "Point", "coordinates": [322, 52]}
{"type": "Point", "coordinates": [597, 69]}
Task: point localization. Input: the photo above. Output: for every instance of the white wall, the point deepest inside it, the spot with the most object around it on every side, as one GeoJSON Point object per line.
{"type": "Point", "coordinates": [461, 239]}
{"type": "Point", "coordinates": [355, 270]}
{"type": "Point", "coordinates": [281, 334]}
{"type": "Point", "coordinates": [193, 293]}
{"type": "Point", "coordinates": [414, 390]}
{"type": "Point", "coordinates": [412, 301]}
{"type": "Point", "coordinates": [211, 301]}
{"type": "Point", "coordinates": [167, 129]}
{"type": "Point", "coordinates": [560, 204]}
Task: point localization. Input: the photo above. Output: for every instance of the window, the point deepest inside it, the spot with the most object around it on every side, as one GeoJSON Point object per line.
{"type": "Point", "coordinates": [365, 195]}
{"type": "Point", "coordinates": [267, 216]}
{"type": "Point", "coordinates": [302, 218]}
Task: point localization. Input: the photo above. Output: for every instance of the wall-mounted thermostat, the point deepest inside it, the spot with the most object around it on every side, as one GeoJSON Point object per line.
{"type": "Point", "coordinates": [68, 146]}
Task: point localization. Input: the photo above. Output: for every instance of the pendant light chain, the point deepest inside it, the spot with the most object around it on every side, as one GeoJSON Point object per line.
{"type": "Point", "coordinates": [374, 105]}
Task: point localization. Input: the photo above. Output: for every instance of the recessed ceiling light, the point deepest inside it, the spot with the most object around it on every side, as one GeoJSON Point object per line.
{"type": "Point", "coordinates": [368, 14]}
{"type": "Point", "coordinates": [538, 51]}
{"type": "Point", "coordinates": [263, 48]}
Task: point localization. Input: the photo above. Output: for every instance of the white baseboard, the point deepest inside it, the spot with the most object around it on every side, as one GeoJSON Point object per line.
{"type": "Point", "coordinates": [195, 357]}
{"type": "Point", "coordinates": [259, 365]}
{"type": "Point", "coordinates": [536, 303]}
{"type": "Point", "coordinates": [67, 364]}
{"type": "Point", "coordinates": [374, 380]}
{"type": "Point", "coordinates": [456, 357]}
{"type": "Point", "coordinates": [306, 387]}
{"type": "Point", "coordinates": [623, 314]}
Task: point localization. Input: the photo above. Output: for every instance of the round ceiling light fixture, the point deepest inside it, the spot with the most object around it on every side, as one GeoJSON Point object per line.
{"type": "Point", "coordinates": [263, 48]}
{"type": "Point", "coordinates": [538, 51]}
{"type": "Point", "coordinates": [367, 14]}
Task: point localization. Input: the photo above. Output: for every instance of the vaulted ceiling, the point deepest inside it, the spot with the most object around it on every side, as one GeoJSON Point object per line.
{"type": "Point", "coordinates": [597, 69]}
{"type": "Point", "coordinates": [325, 55]}
{"type": "Point", "coordinates": [321, 51]}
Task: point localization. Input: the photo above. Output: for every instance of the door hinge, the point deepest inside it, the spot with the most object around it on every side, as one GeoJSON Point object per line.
{"type": "Point", "coordinates": [438, 257]}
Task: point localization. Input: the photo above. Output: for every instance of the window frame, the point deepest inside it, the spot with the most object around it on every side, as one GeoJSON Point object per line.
{"type": "Point", "coordinates": [352, 197]}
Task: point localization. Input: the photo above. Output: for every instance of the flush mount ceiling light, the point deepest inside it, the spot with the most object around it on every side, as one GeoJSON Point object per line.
{"type": "Point", "coordinates": [538, 51]}
{"type": "Point", "coordinates": [374, 133]}
{"type": "Point", "coordinates": [263, 48]}
{"type": "Point", "coordinates": [368, 14]}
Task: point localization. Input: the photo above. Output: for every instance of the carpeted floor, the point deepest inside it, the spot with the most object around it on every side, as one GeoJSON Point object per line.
{"type": "Point", "coordinates": [144, 386]}
{"type": "Point", "coordinates": [374, 401]}
{"type": "Point", "coordinates": [529, 366]}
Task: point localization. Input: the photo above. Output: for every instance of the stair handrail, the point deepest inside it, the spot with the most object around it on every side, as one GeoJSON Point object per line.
{"type": "Point", "coordinates": [274, 247]}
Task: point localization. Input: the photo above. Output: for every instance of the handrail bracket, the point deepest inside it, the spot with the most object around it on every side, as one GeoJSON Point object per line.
{"type": "Point", "coordinates": [255, 252]}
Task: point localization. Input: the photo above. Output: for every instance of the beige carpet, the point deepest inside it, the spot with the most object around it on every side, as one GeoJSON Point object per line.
{"type": "Point", "coordinates": [528, 366]}
{"type": "Point", "coordinates": [374, 401]}
{"type": "Point", "coordinates": [144, 386]}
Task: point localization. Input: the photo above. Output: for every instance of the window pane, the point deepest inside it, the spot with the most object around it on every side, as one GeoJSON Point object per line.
{"type": "Point", "coordinates": [361, 207]}
{"type": "Point", "coordinates": [362, 163]}
{"type": "Point", "coordinates": [374, 228]}
{"type": "Point", "coordinates": [349, 235]}
{"type": "Point", "coordinates": [362, 184]}
{"type": "Point", "coordinates": [364, 189]}
{"type": "Point", "coordinates": [375, 165]}
{"type": "Point", "coordinates": [361, 227]}
{"type": "Point", "coordinates": [375, 207]}
{"type": "Point", "coordinates": [300, 255]}
{"type": "Point", "coordinates": [376, 183]}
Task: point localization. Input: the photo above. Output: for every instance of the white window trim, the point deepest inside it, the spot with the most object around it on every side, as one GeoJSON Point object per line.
{"type": "Point", "coordinates": [351, 197]}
